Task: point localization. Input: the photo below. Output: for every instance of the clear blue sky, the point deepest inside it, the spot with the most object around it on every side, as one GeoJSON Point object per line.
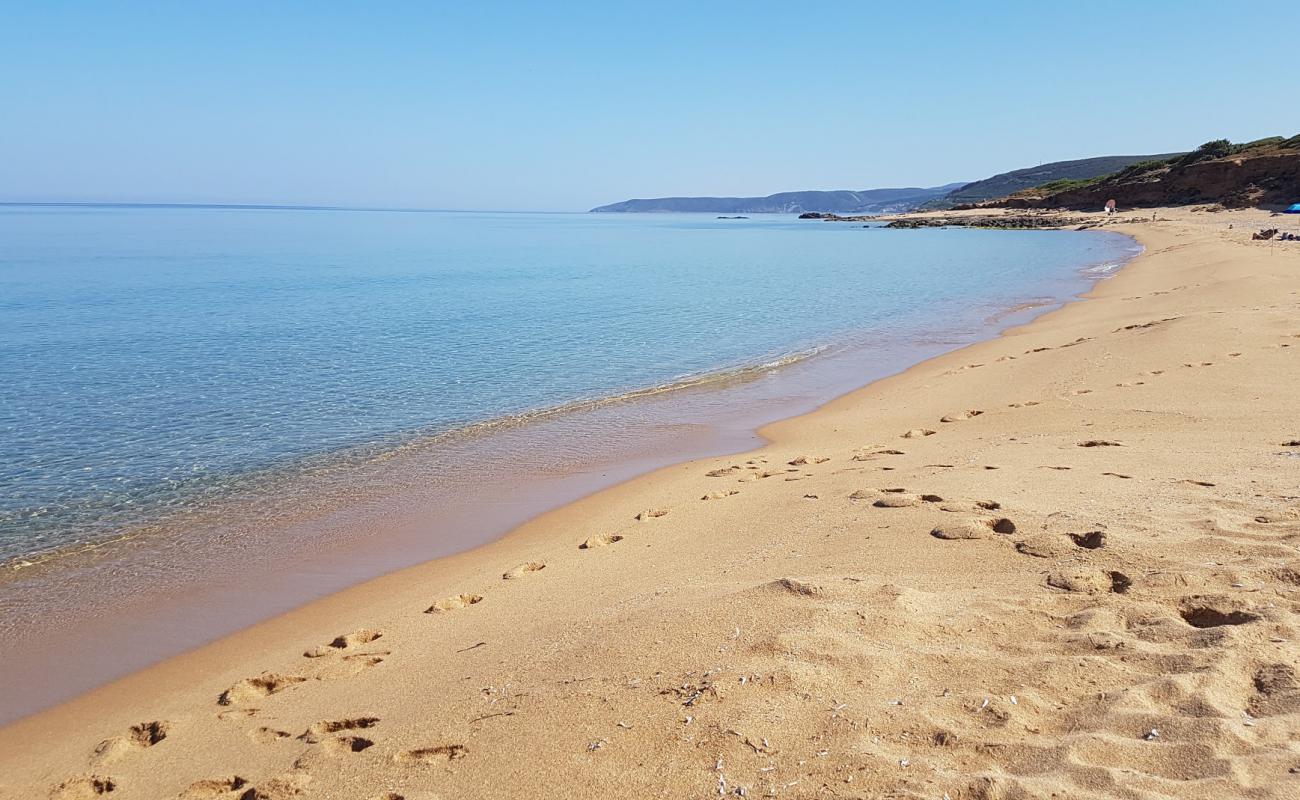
{"type": "Point", "coordinates": [562, 106]}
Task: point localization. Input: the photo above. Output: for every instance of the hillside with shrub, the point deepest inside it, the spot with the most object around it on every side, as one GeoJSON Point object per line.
{"type": "Point", "coordinates": [1265, 172]}
{"type": "Point", "coordinates": [1056, 172]}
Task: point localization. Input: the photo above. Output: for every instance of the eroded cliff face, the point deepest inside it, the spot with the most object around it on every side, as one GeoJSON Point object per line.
{"type": "Point", "coordinates": [1268, 177]}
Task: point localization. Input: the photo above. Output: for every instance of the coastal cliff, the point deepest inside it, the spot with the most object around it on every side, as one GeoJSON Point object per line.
{"type": "Point", "coordinates": [1261, 173]}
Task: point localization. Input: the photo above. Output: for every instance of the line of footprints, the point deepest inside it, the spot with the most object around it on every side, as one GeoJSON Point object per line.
{"type": "Point", "coordinates": [351, 653]}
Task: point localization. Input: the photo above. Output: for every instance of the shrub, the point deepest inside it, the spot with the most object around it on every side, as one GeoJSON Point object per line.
{"type": "Point", "coordinates": [1217, 148]}
{"type": "Point", "coordinates": [1062, 184]}
{"type": "Point", "coordinates": [1265, 142]}
{"type": "Point", "coordinates": [1141, 167]}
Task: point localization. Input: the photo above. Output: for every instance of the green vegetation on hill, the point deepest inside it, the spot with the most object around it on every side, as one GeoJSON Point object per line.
{"type": "Point", "coordinates": [1217, 148]}
{"type": "Point", "coordinates": [1065, 173]}
{"type": "Point", "coordinates": [1265, 171]}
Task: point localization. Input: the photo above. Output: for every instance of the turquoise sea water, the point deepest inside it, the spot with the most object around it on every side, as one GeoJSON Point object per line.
{"type": "Point", "coordinates": [151, 357]}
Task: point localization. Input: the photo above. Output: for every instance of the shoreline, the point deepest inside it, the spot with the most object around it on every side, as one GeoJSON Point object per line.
{"type": "Point", "coordinates": [647, 620]}
{"type": "Point", "coordinates": [282, 470]}
{"type": "Point", "coordinates": [174, 617]}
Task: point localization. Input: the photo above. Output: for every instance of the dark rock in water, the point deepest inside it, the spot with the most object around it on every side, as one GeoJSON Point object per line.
{"type": "Point", "coordinates": [733, 217]}
{"type": "Point", "coordinates": [829, 217]}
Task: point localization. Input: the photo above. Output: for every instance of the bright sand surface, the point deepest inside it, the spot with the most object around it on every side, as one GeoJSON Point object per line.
{"type": "Point", "coordinates": [1062, 563]}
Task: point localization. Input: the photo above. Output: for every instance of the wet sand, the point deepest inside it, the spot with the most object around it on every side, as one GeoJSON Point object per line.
{"type": "Point", "coordinates": [1060, 563]}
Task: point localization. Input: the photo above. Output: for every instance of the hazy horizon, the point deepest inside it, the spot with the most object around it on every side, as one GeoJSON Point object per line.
{"type": "Point", "coordinates": [523, 108]}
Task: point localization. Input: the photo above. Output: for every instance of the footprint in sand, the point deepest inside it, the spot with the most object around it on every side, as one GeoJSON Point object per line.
{"type": "Point", "coordinates": [961, 415]}
{"type": "Point", "coordinates": [1092, 540]}
{"type": "Point", "coordinates": [1090, 582]}
{"type": "Point", "coordinates": [802, 460]}
{"type": "Point", "coordinates": [600, 541]}
{"type": "Point", "coordinates": [1100, 443]}
{"type": "Point", "coordinates": [526, 568]}
{"type": "Point", "coordinates": [1277, 690]}
{"type": "Point", "coordinates": [454, 603]}
{"type": "Point", "coordinates": [138, 737]}
{"type": "Point", "coordinates": [798, 587]}
{"type": "Point", "coordinates": [1210, 612]}
{"type": "Point", "coordinates": [871, 456]}
{"type": "Point", "coordinates": [84, 788]}
{"type": "Point", "coordinates": [651, 513]}
{"type": "Point", "coordinates": [973, 529]}
{"type": "Point", "coordinates": [351, 665]}
{"type": "Point", "coordinates": [320, 730]}
{"type": "Point", "coordinates": [431, 755]}
{"type": "Point", "coordinates": [1042, 546]}
{"type": "Point", "coordinates": [283, 788]}
{"type": "Point", "coordinates": [720, 495]}
{"type": "Point", "coordinates": [899, 498]}
{"type": "Point", "coordinates": [917, 433]}
{"type": "Point", "coordinates": [265, 735]}
{"type": "Point", "coordinates": [722, 473]}
{"type": "Point", "coordinates": [896, 501]}
{"type": "Point", "coordinates": [251, 689]}
{"type": "Point", "coordinates": [212, 788]}
{"type": "Point", "coordinates": [871, 494]}
{"type": "Point", "coordinates": [347, 744]}
{"type": "Point", "coordinates": [345, 642]}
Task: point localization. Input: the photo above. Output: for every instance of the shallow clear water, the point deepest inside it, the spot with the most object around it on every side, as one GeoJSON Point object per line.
{"type": "Point", "coordinates": [155, 357]}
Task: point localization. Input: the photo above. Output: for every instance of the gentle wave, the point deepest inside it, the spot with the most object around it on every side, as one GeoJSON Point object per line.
{"type": "Point", "coordinates": [215, 489]}
{"type": "Point", "coordinates": [298, 343]}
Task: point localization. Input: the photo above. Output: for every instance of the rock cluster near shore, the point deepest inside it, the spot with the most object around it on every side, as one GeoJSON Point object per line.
{"type": "Point", "coordinates": [1042, 220]}
{"type": "Point", "coordinates": [1001, 221]}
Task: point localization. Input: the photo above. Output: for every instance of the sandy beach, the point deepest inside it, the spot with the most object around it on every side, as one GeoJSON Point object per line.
{"type": "Point", "coordinates": [1061, 563]}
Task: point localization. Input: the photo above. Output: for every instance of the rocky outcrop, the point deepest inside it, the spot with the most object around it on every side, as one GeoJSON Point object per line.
{"type": "Point", "coordinates": [829, 217]}
{"type": "Point", "coordinates": [999, 221]}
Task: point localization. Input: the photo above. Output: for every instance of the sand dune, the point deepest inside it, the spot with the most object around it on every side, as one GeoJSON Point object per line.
{"type": "Point", "coordinates": [1061, 564]}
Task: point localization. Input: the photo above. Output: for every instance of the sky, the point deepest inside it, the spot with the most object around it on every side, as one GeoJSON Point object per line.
{"type": "Point", "coordinates": [561, 106]}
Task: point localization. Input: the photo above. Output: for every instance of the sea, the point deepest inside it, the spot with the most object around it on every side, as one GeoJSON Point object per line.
{"type": "Point", "coordinates": [257, 406]}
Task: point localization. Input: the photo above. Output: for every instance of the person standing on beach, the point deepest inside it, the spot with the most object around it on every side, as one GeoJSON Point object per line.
{"type": "Point", "coordinates": [1110, 207]}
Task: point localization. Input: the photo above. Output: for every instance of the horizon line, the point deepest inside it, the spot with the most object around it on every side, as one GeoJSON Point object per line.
{"type": "Point", "coordinates": [269, 207]}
